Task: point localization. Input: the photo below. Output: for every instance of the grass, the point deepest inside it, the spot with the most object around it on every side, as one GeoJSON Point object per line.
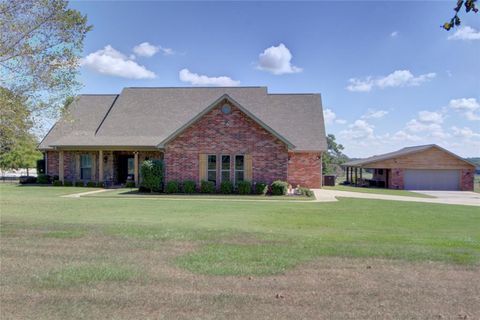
{"type": "Point", "coordinates": [83, 275]}
{"type": "Point", "coordinates": [391, 192]}
{"type": "Point", "coordinates": [83, 258]}
{"type": "Point", "coordinates": [240, 238]}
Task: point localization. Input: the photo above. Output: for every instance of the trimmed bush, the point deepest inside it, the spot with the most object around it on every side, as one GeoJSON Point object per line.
{"type": "Point", "coordinates": [279, 188]}
{"type": "Point", "coordinates": [189, 186]}
{"type": "Point", "coordinates": [57, 183]}
{"type": "Point", "coordinates": [306, 192]}
{"type": "Point", "coordinates": [226, 187]}
{"type": "Point", "coordinates": [79, 184]}
{"type": "Point", "coordinates": [172, 187]}
{"type": "Point", "coordinates": [43, 179]}
{"type": "Point", "coordinates": [261, 188]}
{"type": "Point", "coordinates": [27, 180]}
{"type": "Point", "coordinates": [67, 183]}
{"type": "Point", "coordinates": [91, 184]}
{"type": "Point", "coordinates": [152, 175]}
{"type": "Point", "coordinates": [130, 184]}
{"type": "Point", "coordinates": [244, 187]}
{"type": "Point", "coordinates": [207, 187]}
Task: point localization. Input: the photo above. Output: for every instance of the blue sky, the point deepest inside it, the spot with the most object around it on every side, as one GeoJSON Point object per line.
{"type": "Point", "coordinates": [388, 74]}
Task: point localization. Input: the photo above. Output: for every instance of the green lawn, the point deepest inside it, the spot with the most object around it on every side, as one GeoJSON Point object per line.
{"type": "Point", "coordinates": [380, 191]}
{"type": "Point", "coordinates": [234, 238]}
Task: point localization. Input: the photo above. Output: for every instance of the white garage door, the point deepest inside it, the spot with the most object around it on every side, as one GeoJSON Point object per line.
{"type": "Point", "coordinates": [432, 179]}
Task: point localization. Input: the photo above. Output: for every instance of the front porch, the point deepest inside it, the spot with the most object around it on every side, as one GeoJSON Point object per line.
{"type": "Point", "coordinates": [110, 167]}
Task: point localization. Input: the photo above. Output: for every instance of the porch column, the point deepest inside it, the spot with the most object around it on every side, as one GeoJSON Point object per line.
{"type": "Point", "coordinates": [135, 168]}
{"type": "Point", "coordinates": [60, 167]}
{"type": "Point", "coordinates": [356, 176]}
{"type": "Point", "coordinates": [100, 166]}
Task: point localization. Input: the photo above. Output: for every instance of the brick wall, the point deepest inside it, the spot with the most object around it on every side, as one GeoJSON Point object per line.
{"type": "Point", "coordinates": [467, 179]}
{"type": "Point", "coordinates": [396, 179]}
{"type": "Point", "coordinates": [218, 133]}
{"type": "Point", "coordinates": [305, 169]}
{"type": "Point", "coordinates": [52, 163]}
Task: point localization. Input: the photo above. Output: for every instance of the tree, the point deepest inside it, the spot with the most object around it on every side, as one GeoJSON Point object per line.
{"type": "Point", "coordinates": [40, 46]}
{"type": "Point", "coordinates": [14, 119]}
{"type": "Point", "coordinates": [455, 21]}
{"type": "Point", "coordinates": [23, 155]}
{"type": "Point", "coordinates": [334, 156]}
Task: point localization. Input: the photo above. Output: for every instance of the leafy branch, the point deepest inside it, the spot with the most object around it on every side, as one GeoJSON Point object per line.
{"type": "Point", "coordinates": [455, 21]}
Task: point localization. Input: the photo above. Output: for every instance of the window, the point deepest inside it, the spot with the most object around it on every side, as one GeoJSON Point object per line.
{"type": "Point", "coordinates": [85, 167]}
{"type": "Point", "coordinates": [225, 168]}
{"type": "Point", "coordinates": [239, 168]}
{"type": "Point", "coordinates": [131, 166]}
{"type": "Point", "coordinates": [212, 168]}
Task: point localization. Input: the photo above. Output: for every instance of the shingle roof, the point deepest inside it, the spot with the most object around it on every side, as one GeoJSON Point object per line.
{"type": "Point", "coordinates": [396, 154]}
{"type": "Point", "coordinates": [145, 117]}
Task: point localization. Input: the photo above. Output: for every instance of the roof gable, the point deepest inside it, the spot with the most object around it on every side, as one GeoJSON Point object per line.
{"type": "Point", "coordinates": [224, 98]}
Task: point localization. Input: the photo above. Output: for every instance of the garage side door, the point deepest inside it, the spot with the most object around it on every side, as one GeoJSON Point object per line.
{"type": "Point", "coordinates": [432, 179]}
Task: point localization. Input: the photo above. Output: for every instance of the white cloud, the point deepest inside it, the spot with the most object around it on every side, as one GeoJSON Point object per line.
{"type": "Point", "coordinates": [374, 114]}
{"type": "Point", "coordinates": [394, 34]}
{"type": "Point", "coordinates": [359, 130]}
{"type": "Point", "coordinates": [401, 135]}
{"type": "Point", "coordinates": [398, 78]}
{"type": "Point", "coordinates": [341, 121]}
{"type": "Point", "coordinates": [277, 60]}
{"type": "Point", "coordinates": [465, 33]}
{"type": "Point", "coordinates": [469, 107]}
{"type": "Point", "coordinates": [202, 80]}
{"type": "Point", "coordinates": [112, 62]}
{"type": "Point", "coordinates": [430, 116]}
{"type": "Point", "coordinates": [329, 116]}
{"type": "Point", "coordinates": [145, 49]}
{"type": "Point", "coordinates": [465, 133]}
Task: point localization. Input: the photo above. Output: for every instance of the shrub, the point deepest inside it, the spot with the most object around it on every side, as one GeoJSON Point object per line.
{"type": "Point", "coordinates": [27, 180]}
{"type": "Point", "coordinates": [130, 184]}
{"type": "Point", "coordinates": [306, 192]}
{"type": "Point", "coordinates": [142, 189]}
{"type": "Point", "coordinates": [152, 175]}
{"type": "Point", "coordinates": [43, 179]}
{"type": "Point", "coordinates": [244, 187]}
{"type": "Point", "coordinates": [189, 186]}
{"type": "Point", "coordinates": [67, 183]}
{"type": "Point", "coordinates": [261, 188]}
{"type": "Point", "coordinates": [279, 188]}
{"type": "Point", "coordinates": [172, 187]}
{"type": "Point", "coordinates": [207, 187]}
{"type": "Point", "coordinates": [226, 187]}
{"type": "Point", "coordinates": [57, 183]}
{"type": "Point", "coordinates": [101, 184]}
{"type": "Point", "coordinates": [91, 184]}
{"type": "Point", "coordinates": [79, 184]}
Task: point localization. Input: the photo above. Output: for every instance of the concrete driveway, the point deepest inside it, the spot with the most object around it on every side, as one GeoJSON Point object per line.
{"type": "Point", "coordinates": [455, 197]}
{"type": "Point", "coordinates": [442, 197]}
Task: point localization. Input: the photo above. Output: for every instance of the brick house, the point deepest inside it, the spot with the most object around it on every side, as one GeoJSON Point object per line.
{"type": "Point", "coordinates": [216, 134]}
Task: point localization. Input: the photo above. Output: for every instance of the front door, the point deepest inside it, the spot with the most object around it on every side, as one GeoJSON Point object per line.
{"type": "Point", "coordinates": [125, 169]}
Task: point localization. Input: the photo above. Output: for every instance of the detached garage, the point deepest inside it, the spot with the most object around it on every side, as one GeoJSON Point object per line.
{"type": "Point", "coordinates": [427, 167]}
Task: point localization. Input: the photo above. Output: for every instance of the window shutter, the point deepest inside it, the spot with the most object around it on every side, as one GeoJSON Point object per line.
{"type": "Point", "coordinates": [202, 167]}
{"type": "Point", "coordinates": [248, 167]}
{"type": "Point", "coordinates": [77, 164]}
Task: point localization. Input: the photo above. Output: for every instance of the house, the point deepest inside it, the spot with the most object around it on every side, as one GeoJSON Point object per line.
{"type": "Point", "coordinates": [216, 134]}
{"type": "Point", "coordinates": [427, 167]}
